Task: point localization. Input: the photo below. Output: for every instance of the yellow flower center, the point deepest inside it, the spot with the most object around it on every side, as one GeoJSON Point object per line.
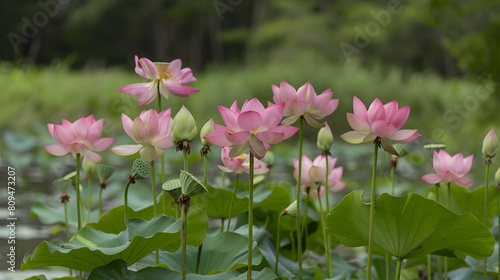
{"type": "Point", "coordinates": [163, 71]}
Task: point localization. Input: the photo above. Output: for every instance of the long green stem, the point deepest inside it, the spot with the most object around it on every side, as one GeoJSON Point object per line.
{"type": "Point", "coordinates": [372, 209]}
{"type": "Point", "coordinates": [299, 179]}
{"type": "Point", "coordinates": [153, 188]}
{"type": "Point", "coordinates": [78, 194]}
{"type": "Point", "coordinates": [100, 202]}
{"type": "Point", "coordinates": [326, 235]}
{"type": "Point", "coordinates": [449, 207]}
{"type": "Point", "coordinates": [429, 266]}
{"type": "Point", "coordinates": [278, 243]}
{"type": "Point", "coordinates": [387, 255]}
{"type": "Point", "coordinates": [125, 199]}
{"type": "Point", "coordinates": [232, 203]}
{"type": "Point", "coordinates": [250, 216]}
{"type": "Point", "coordinates": [66, 220]}
{"type": "Point", "coordinates": [486, 190]}
{"type": "Point", "coordinates": [162, 161]}
{"type": "Point", "coordinates": [304, 224]}
{"type": "Point", "coordinates": [398, 269]}
{"type": "Point", "coordinates": [89, 197]}
{"type": "Point", "coordinates": [183, 238]}
{"type": "Point", "coordinates": [205, 182]}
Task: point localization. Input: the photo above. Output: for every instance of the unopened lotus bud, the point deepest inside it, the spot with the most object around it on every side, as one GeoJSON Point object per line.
{"type": "Point", "coordinates": [183, 126]}
{"type": "Point", "coordinates": [88, 167]}
{"type": "Point", "coordinates": [208, 127]}
{"type": "Point", "coordinates": [291, 209]}
{"type": "Point", "coordinates": [325, 138]}
{"type": "Point", "coordinates": [490, 145]}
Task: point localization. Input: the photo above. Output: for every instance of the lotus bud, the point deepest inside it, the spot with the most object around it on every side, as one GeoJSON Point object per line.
{"type": "Point", "coordinates": [88, 167]}
{"type": "Point", "coordinates": [183, 126]}
{"type": "Point", "coordinates": [291, 209]}
{"type": "Point", "coordinates": [490, 145]}
{"type": "Point", "coordinates": [208, 127]}
{"type": "Point", "coordinates": [325, 138]}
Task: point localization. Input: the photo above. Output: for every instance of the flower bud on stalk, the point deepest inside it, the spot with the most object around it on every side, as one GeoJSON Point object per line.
{"type": "Point", "coordinates": [184, 129]}
{"type": "Point", "coordinates": [325, 139]}
{"type": "Point", "coordinates": [490, 145]}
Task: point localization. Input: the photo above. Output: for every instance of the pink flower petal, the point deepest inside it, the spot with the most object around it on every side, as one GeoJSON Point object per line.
{"type": "Point", "coordinates": [179, 89]}
{"type": "Point", "coordinates": [431, 178]}
{"type": "Point", "coordinates": [249, 121]}
{"type": "Point", "coordinates": [253, 105]}
{"type": "Point", "coordinates": [126, 150]}
{"type": "Point", "coordinates": [63, 135]}
{"type": "Point", "coordinates": [146, 68]}
{"type": "Point", "coordinates": [128, 125]}
{"type": "Point", "coordinates": [382, 128]}
{"type": "Point", "coordinates": [400, 117]}
{"type": "Point", "coordinates": [218, 137]}
{"type": "Point", "coordinates": [290, 120]}
{"type": "Point", "coordinates": [272, 116]}
{"type": "Point", "coordinates": [359, 108]}
{"type": "Point", "coordinates": [56, 150]}
{"type": "Point", "coordinates": [175, 65]}
{"type": "Point", "coordinates": [136, 89]}
{"type": "Point", "coordinates": [353, 137]}
{"type": "Point", "coordinates": [357, 123]}
{"type": "Point", "coordinates": [404, 135]}
{"type": "Point", "coordinates": [139, 131]}
{"type": "Point", "coordinates": [464, 182]}
{"type": "Point", "coordinates": [270, 137]}
{"type": "Point", "coordinates": [102, 144]}
{"type": "Point", "coordinates": [93, 157]}
{"type": "Point", "coordinates": [164, 143]}
{"type": "Point", "coordinates": [149, 95]}
{"type": "Point", "coordinates": [237, 137]}
{"type": "Point", "coordinates": [230, 118]}
{"type": "Point", "coordinates": [94, 131]}
{"type": "Point", "coordinates": [286, 130]}
{"type": "Point", "coordinates": [149, 153]}
{"type": "Point", "coordinates": [257, 148]}
{"type": "Point", "coordinates": [376, 111]}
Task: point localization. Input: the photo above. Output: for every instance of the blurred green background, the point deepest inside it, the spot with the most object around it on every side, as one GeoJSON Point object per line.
{"type": "Point", "coordinates": [67, 59]}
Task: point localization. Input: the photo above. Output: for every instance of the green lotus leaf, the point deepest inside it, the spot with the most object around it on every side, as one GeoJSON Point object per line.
{"type": "Point", "coordinates": [409, 227]}
{"type": "Point", "coordinates": [90, 248]}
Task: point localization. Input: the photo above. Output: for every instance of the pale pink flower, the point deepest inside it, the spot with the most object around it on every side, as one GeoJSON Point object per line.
{"type": "Point", "coordinates": [490, 145]}
{"type": "Point", "coordinates": [80, 137]}
{"type": "Point", "coordinates": [449, 169]}
{"type": "Point", "coordinates": [314, 174]}
{"type": "Point", "coordinates": [304, 102]}
{"type": "Point", "coordinates": [250, 130]}
{"type": "Point", "coordinates": [240, 163]}
{"type": "Point", "coordinates": [380, 120]}
{"type": "Point", "coordinates": [151, 131]}
{"type": "Point", "coordinates": [165, 78]}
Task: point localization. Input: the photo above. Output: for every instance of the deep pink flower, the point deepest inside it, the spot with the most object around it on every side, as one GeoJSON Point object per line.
{"type": "Point", "coordinates": [449, 169]}
{"type": "Point", "coordinates": [383, 121]}
{"type": "Point", "coordinates": [304, 102]}
{"type": "Point", "coordinates": [80, 137]}
{"type": "Point", "coordinates": [314, 174]}
{"type": "Point", "coordinates": [240, 163]}
{"type": "Point", "coordinates": [151, 131]}
{"type": "Point", "coordinates": [252, 129]}
{"type": "Point", "coordinates": [165, 78]}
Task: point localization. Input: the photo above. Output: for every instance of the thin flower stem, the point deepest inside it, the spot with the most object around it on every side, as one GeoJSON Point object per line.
{"type": "Point", "coordinates": [299, 178]}
{"type": "Point", "coordinates": [78, 194]}
{"type": "Point", "coordinates": [163, 194]}
{"type": "Point", "coordinates": [100, 202]}
{"type": "Point", "coordinates": [66, 220]}
{"type": "Point", "coordinates": [387, 255]}
{"type": "Point", "coordinates": [398, 268]}
{"type": "Point", "coordinates": [205, 182]}
{"type": "Point", "coordinates": [125, 199]}
{"type": "Point", "coordinates": [278, 243]}
{"type": "Point", "coordinates": [449, 207]}
{"type": "Point", "coordinates": [486, 190]}
{"type": "Point", "coordinates": [185, 159]}
{"type": "Point", "coordinates": [250, 216]}
{"type": "Point", "coordinates": [153, 188]}
{"type": "Point", "coordinates": [429, 266]}
{"type": "Point", "coordinates": [183, 238]}
{"type": "Point", "coordinates": [326, 235]}
{"type": "Point", "coordinates": [372, 210]}
{"type": "Point", "coordinates": [498, 236]}
{"type": "Point", "coordinates": [232, 203]}
{"type": "Point", "coordinates": [89, 197]}
{"type": "Point", "coordinates": [304, 222]}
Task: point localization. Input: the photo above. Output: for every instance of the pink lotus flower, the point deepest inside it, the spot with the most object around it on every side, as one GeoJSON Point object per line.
{"type": "Point", "coordinates": [490, 145]}
{"type": "Point", "coordinates": [449, 169]}
{"type": "Point", "coordinates": [166, 77]}
{"type": "Point", "coordinates": [80, 137]}
{"type": "Point", "coordinates": [314, 175]}
{"type": "Point", "coordinates": [304, 102]}
{"type": "Point", "coordinates": [252, 129]}
{"type": "Point", "coordinates": [240, 163]}
{"type": "Point", "coordinates": [382, 121]}
{"type": "Point", "coordinates": [151, 131]}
